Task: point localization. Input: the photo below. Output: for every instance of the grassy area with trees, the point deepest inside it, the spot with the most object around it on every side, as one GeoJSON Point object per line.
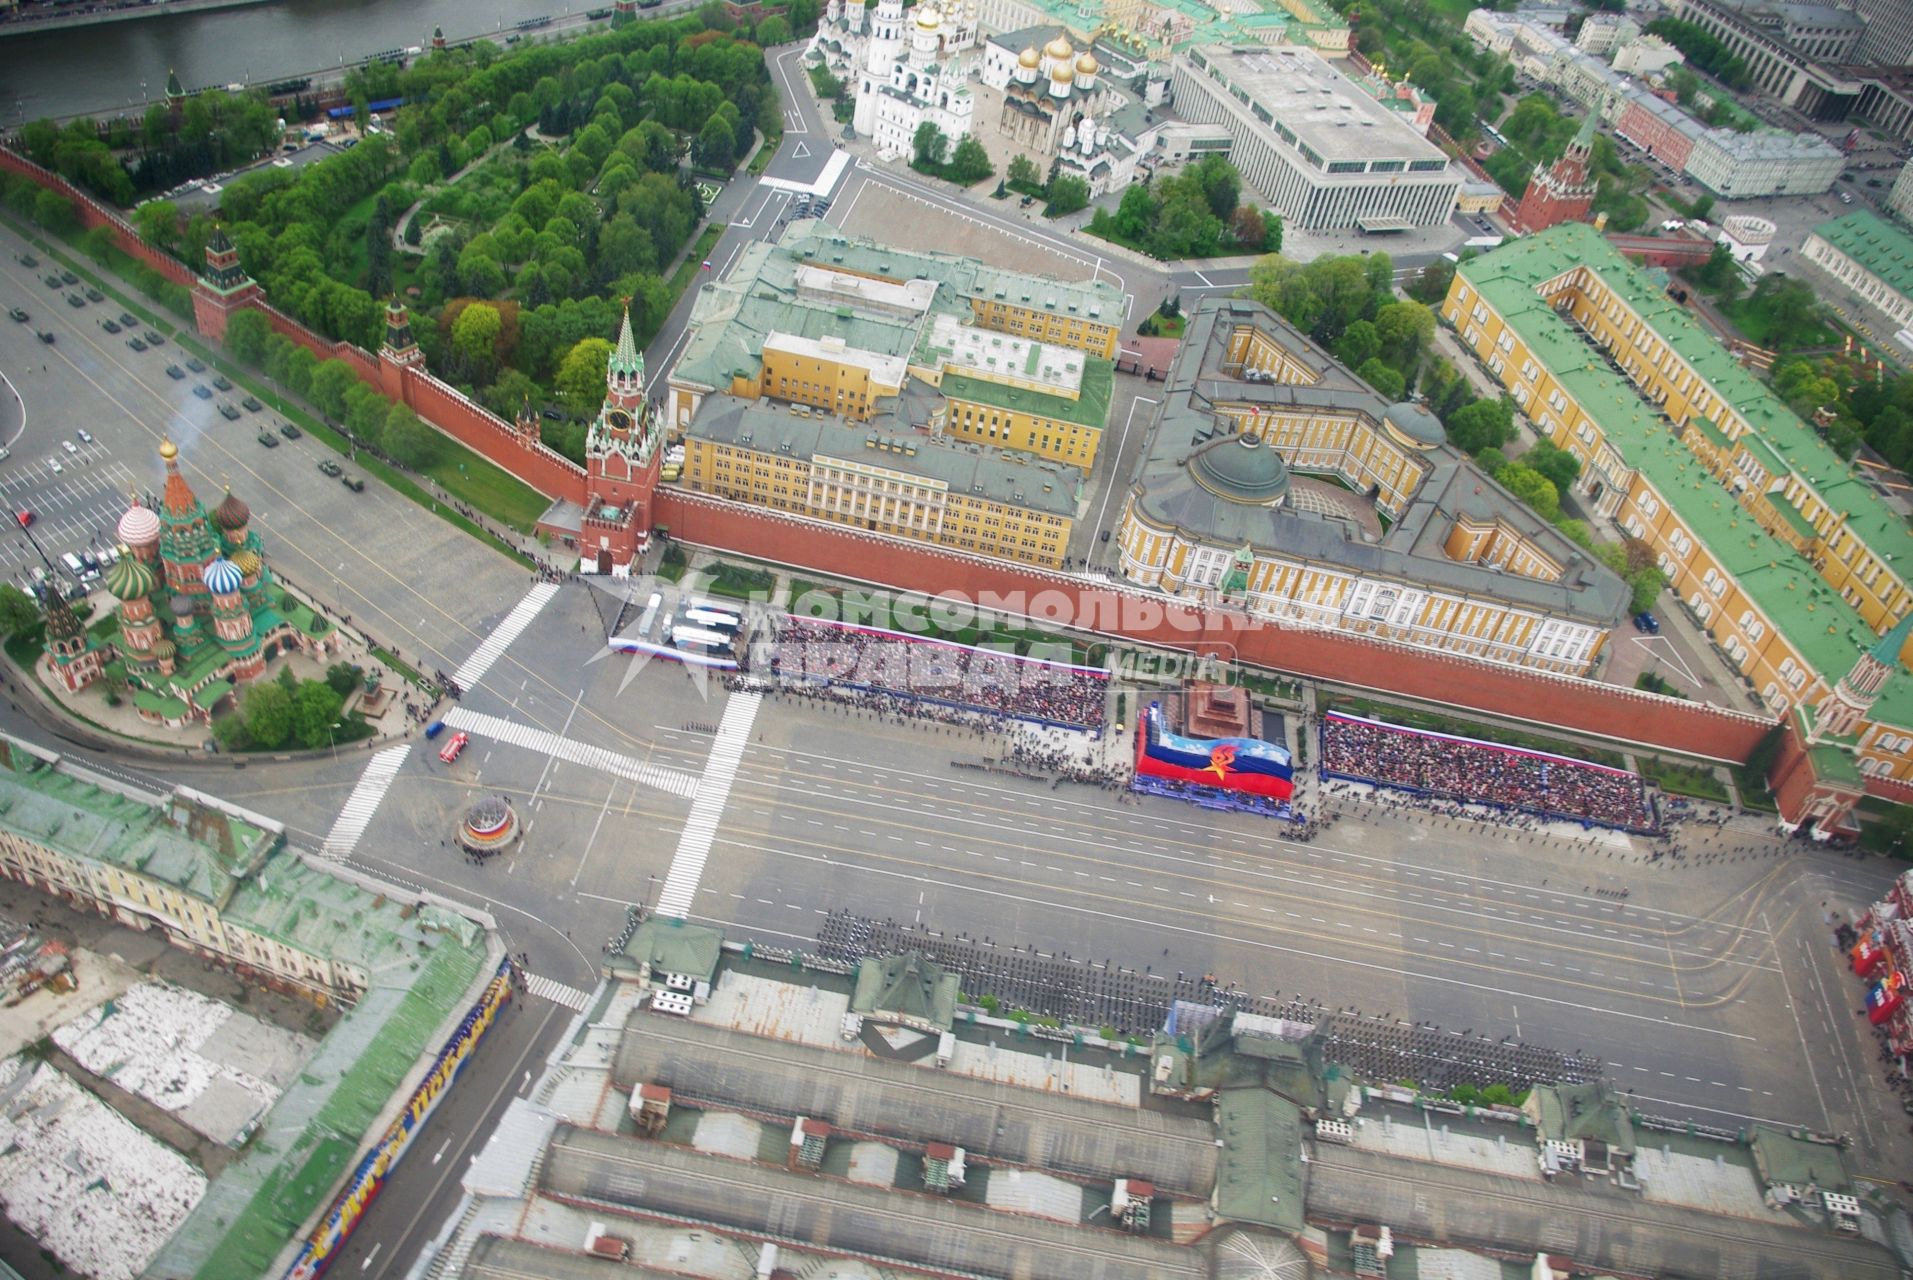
{"type": "Point", "coordinates": [1198, 213]}
{"type": "Point", "coordinates": [965, 164]}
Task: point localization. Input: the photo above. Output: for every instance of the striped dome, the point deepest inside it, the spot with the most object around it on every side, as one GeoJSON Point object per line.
{"type": "Point", "coordinates": [139, 526]}
{"type": "Point", "coordinates": [130, 578]}
{"type": "Point", "coordinates": [222, 577]}
{"type": "Point", "coordinates": [247, 561]}
{"type": "Point", "coordinates": [164, 648]}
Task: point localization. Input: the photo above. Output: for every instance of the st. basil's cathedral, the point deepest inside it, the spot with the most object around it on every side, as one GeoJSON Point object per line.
{"type": "Point", "coordinates": [199, 610]}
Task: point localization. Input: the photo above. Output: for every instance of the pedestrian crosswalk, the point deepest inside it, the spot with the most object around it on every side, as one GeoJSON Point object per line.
{"type": "Point", "coordinates": [498, 729]}
{"type": "Point", "coordinates": [557, 992]}
{"type": "Point", "coordinates": [503, 634]}
{"type": "Point", "coordinates": [713, 793]}
{"type": "Point", "coordinates": [363, 803]}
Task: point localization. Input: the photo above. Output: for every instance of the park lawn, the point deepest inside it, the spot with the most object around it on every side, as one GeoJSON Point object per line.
{"type": "Point", "coordinates": [486, 486]}
{"type": "Point", "coordinates": [1696, 781]}
{"type": "Point", "coordinates": [1757, 326]}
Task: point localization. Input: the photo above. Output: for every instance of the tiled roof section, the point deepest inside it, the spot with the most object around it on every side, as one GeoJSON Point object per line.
{"type": "Point", "coordinates": [1260, 1178]}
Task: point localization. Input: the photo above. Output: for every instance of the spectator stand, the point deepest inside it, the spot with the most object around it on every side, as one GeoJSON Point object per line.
{"type": "Point", "coordinates": [819, 652]}
{"type": "Point", "coordinates": [1424, 763]}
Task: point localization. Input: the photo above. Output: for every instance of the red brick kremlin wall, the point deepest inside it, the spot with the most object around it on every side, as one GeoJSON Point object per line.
{"type": "Point", "coordinates": [1623, 714]}
{"type": "Point", "coordinates": [1626, 715]}
{"type": "Point", "coordinates": [94, 215]}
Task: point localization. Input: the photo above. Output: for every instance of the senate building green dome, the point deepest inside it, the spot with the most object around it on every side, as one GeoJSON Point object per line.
{"type": "Point", "coordinates": [1242, 469]}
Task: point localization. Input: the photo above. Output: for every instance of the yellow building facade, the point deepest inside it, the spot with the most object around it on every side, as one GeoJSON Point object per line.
{"type": "Point", "coordinates": [904, 487]}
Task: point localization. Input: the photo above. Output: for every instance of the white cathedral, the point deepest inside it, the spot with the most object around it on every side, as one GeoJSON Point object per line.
{"type": "Point", "coordinates": [902, 77]}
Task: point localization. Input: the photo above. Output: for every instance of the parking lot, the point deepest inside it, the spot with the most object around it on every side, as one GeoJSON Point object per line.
{"type": "Point", "coordinates": [373, 555]}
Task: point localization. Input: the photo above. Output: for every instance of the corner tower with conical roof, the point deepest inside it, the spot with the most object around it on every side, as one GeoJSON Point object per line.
{"type": "Point", "coordinates": [72, 656]}
{"type": "Point", "coordinates": [622, 461]}
{"type": "Point", "coordinates": [223, 288]}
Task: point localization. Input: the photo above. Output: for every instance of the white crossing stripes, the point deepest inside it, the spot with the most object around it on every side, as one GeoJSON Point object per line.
{"type": "Point", "coordinates": [363, 803]}
{"type": "Point", "coordinates": [713, 793]}
{"type": "Point", "coordinates": [557, 992]}
{"type": "Point", "coordinates": [503, 634]}
{"type": "Point", "coordinates": [519, 735]}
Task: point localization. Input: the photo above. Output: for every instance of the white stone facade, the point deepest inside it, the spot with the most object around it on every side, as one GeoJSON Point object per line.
{"type": "Point", "coordinates": [904, 69]}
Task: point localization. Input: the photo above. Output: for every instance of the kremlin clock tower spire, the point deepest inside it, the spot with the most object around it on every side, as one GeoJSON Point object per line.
{"type": "Point", "coordinates": [623, 458]}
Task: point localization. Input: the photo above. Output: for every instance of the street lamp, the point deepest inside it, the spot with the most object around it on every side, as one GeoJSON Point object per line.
{"type": "Point", "coordinates": [330, 729]}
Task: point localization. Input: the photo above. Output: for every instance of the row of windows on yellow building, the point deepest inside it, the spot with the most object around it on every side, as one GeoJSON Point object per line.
{"type": "Point", "coordinates": [911, 508]}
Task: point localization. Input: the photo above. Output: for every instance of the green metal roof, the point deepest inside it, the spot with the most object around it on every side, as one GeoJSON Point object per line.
{"type": "Point", "coordinates": [1827, 631]}
{"type": "Point", "coordinates": [1259, 1178]}
{"type": "Point", "coordinates": [910, 984]}
{"type": "Point", "coordinates": [198, 848]}
{"type": "Point", "coordinates": [1782, 1158]}
{"type": "Point", "coordinates": [1090, 410]}
{"type": "Point", "coordinates": [1877, 245]}
{"type": "Point", "coordinates": [1590, 1112]}
{"type": "Point", "coordinates": [670, 945]}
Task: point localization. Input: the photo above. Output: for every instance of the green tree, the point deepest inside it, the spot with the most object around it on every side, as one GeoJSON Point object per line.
{"type": "Point", "coordinates": [315, 709]}
{"type": "Point", "coordinates": [716, 147]}
{"type": "Point", "coordinates": [1358, 344]}
{"type": "Point", "coordinates": [773, 31]}
{"type": "Point", "coordinates": [1790, 308]}
{"type": "Point", "coordinates": [1385, 380]}
{"type": "Point", "coordinates": [246, 335]}
{"type": "Point", "coordinates": [579, 383]}
{"type": "Point", "coordinates": [343, 677]}
{"type": "Point", "coordinates": [928, 146]}
{"type": "Point", "coordinates": [18, 612]}
{"type": "Point", "coordinates": [1645, 585]}
{"type": "Point", "coordinates": [331, 381]}
{"type": "Point", "coordinates": [970, 163]}
{"type": "Point", "coordinates": [1067, 194]}
{"type": "Point", "coordinates": [1271, 231]}
{"type": "Point", "coordinates": [267, 709]}
{"type": "Point", "coordinates": [407, 441]}
{"type": "Point", "coordinates": [158, 223]}
{"type": "Point", "coordinates": [1024, 176]}
{"type": "Point", "coordinates": [1220, 183]}
{"type": "Point", "coordinates": [1531, 487]}
{"type": "Point", "coordinates": [1481, 425]}
{"type": "Point", "coordinates": [55, 212]}
{"type": "Point", "coordinates": [1405, 329]}
{"type": "Point", "coordinates": [1558, 465]}
{"type": "Point", "coordinates": [475, 341]}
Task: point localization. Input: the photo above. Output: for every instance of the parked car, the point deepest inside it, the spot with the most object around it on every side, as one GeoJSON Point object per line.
{"type": "Point", "coordinates": [289, 431]}
{"type": "Point", "coordinates": [268, 439]}
{"type": "Point", "coordinates": [331, 468]}
{"type": "Point", "coordinates": [1646, 621]}
{"type": "Point", "coordinates": [69, 446]}
{"type": "Point", "coordinates": [53, 464]}
{"type": "Point", "coordinates": [24, 516]}
{"type": "Point", "coordinates": [86, 437]}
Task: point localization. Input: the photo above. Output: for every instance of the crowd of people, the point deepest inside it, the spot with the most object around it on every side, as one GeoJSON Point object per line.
{"type": "Point", "coordinates": [811, 652]}
{"type": "Point", "coordinates": [1455, 769]}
